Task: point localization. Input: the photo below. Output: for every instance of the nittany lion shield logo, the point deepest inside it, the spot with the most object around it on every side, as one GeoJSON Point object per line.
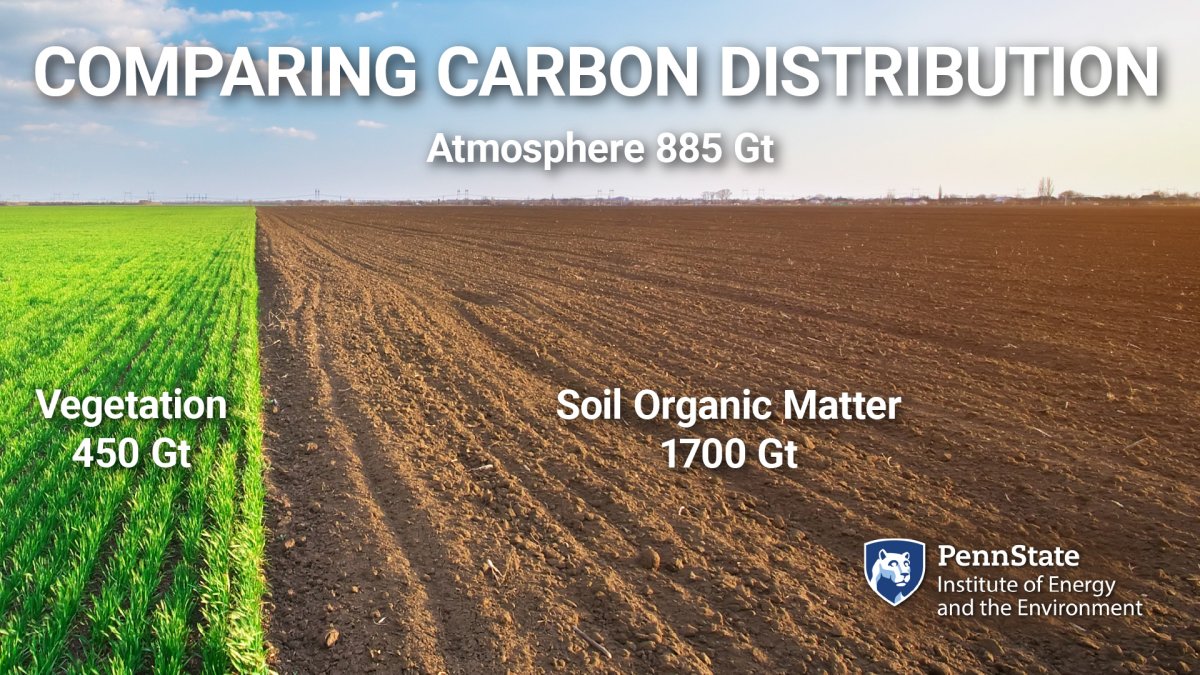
{"type": "Point", "coordinates": [894, 567]}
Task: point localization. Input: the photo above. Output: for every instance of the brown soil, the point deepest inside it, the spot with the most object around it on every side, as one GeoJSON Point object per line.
{"type": "Point", "coordinates": [416, 355]}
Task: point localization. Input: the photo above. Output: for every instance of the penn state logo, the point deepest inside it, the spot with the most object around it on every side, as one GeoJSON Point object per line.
{"type": "Point", "coordinates": [894, 567]}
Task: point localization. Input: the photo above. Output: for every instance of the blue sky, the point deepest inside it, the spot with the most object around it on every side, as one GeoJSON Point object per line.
{"type": "Point", "coordinates": [260, 148]}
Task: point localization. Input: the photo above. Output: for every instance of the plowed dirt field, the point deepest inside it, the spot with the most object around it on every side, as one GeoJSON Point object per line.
{"type": "Point", "coordinates": [1047, 357]}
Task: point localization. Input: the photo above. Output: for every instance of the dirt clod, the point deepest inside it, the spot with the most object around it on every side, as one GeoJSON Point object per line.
{"type": "Point", "coordinates": [649, 559]}
{"type": "Point", "coordinates": [331, 637]}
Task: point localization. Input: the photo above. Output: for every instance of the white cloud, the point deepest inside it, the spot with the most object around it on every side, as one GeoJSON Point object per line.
{"type": "Point", "coordinates": [8, 84]}
{"type": "Point", "coordinates": [41, 128]}
{"type": "Point", "coordinates": [271, 20]}
{"type": "Point", "coordinates": [30, 24]}
{"type": "Point", "coordinates": [177, 112]}
{"type": "Point", "coordinates": [4, 138]}
{"type": "Point", "coordinates": [363, 17]}
{"type": "Point", "coordinates": [84, 129]}
{"type": "Point", "coordinates": [370, 124]}
{"type": "Point", "coordinates": [290, 132]}
{"type": "Point", "coordinates": [90, 128]}
{"type": "Point", "coordinates": [222, 16]}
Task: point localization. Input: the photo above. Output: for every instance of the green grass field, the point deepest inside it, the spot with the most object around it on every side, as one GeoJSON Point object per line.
{"type": "Point", "coordinates": [122, 570]}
